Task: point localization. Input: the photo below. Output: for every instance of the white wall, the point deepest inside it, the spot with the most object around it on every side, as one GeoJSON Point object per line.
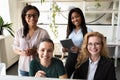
{"type": "Point", "coordinates": [15, 13]}
{"type": "Point", "coordinates": [8, 11]}
{"type": "Point", "coordinates": [4, 10]}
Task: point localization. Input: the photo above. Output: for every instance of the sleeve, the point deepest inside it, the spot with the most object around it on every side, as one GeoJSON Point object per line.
{"type": "Point", "coordinates": [76, 74]}
{"type": "Point", "coordinates": [61, 68]}
{"type": "Point", "coordinates": [32, 70]}
{"type": "Point", "coordinates": [42, 34]}
{"type": "Point", "coordinates": [111, 75]}
{"type": "Point", "coordinates": [16, 42]}
{"type": "Point", "coordinates": [45, 35]}
{"type": "Point", "coordinates": [81, 72]}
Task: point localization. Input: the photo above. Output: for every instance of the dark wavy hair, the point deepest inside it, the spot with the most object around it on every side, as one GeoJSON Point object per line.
{"type": "Point", "coordinates": [71, 26]}
{"type": "Point", "coordinates": [25, 25]}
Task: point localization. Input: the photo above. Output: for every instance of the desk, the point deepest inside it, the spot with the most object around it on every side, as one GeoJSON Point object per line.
{"type": "Point", "coordinates": [8, 77]}
{"type": "Point", "coordinates": [2, 69]}
{"type": "Point", "coordinates": [116, 53]}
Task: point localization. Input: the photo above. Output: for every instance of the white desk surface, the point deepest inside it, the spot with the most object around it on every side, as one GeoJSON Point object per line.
{"type": "Point", "coordinates": [2, 69]}
{"type": "Point", "coordinates": [10, 77]}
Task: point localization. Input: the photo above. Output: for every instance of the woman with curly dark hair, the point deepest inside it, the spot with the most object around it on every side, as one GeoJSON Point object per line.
{"type": "Point", "coordinates": [76, 29]}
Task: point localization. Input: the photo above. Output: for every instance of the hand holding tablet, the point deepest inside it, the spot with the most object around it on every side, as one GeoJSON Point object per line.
{"type": "Point", "coordinates": [67, 43]}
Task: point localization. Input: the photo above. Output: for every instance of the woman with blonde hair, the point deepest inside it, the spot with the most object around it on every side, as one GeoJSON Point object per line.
{"type": "Point", "coordinates": [93, 60]}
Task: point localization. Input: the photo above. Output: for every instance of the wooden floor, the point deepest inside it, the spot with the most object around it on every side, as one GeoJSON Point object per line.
{"type": "Point", "coordinates": [13, 70]}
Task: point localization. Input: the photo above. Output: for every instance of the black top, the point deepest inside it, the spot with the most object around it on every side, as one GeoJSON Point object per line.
{"type": "Point", "coordinates": [104, 71]}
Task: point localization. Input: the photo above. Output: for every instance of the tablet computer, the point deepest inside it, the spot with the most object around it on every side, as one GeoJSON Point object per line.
{"type": "Point", "coordinates": [67, 43]}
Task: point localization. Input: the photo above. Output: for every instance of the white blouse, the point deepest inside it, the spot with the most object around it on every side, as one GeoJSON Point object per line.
{"type": "Point", "coordinates": [25, 43]}
{"type": "Point", "coordinates": [92, 69]}
{"type": "Point", "coordinates": [77, 38]}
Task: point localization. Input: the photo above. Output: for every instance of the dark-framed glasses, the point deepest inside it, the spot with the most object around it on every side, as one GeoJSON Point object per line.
{"type": "Point", "coordinates": [35, 15]}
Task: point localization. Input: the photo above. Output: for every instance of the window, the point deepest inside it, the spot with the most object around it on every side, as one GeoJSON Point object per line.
{"type": "Point", "coordinates": [103, 19]}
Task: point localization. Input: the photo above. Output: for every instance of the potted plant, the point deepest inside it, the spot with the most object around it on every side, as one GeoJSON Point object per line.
{"type": "Point", "coordinates": [6, 26]}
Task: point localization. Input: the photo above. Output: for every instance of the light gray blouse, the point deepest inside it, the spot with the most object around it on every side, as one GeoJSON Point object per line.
{"type": "Point", "coordinates": [77, 38]}
{"type": "Point", "coordinates": [27, 42]}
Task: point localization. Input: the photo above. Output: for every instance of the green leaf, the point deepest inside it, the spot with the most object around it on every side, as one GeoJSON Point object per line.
{"type": "Point", "coordinates": [7, 26]}
{"type": "Point", "coordinates": [11, 32]}
{"type": "Point", "coordinates": [42, 1]}
{"type": "Point", "coordinates": [1, 22]}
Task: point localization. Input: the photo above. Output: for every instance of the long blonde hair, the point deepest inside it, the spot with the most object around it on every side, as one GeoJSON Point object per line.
{"type": "Point", "coordinates": [84, 54]}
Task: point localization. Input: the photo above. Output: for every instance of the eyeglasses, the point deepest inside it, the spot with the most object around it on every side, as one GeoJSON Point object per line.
{"type": "Point", "coordinates": [94, 44]}
{"type": "Point", "coordinates": [32, 15]}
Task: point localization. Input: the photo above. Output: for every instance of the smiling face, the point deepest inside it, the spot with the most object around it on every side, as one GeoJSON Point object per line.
{"type": "Point", "coordinates": [45, 52]}
{"type": "Point", "coordinates": [94, 45]}
{"type": "Point", "coordinates": [32, 17]}
{"type": "Point", "coordinates": [76, 19]}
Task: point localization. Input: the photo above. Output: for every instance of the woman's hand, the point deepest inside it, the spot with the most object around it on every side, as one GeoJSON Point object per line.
{"type": "Point", "coordinates": [40, 73]}
{"type": "Point", "coordinates": [64, 50]}
{"type": "Point", "coordinates": [31, 51]}
{"type": "Point", "coordinates": [74, 49]}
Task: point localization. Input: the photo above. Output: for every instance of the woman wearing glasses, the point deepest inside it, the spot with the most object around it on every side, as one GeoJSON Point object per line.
{"type": "Point", "coordinates": [27, 38]}
{"type": "Point", "coordinates": [93, 61]}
